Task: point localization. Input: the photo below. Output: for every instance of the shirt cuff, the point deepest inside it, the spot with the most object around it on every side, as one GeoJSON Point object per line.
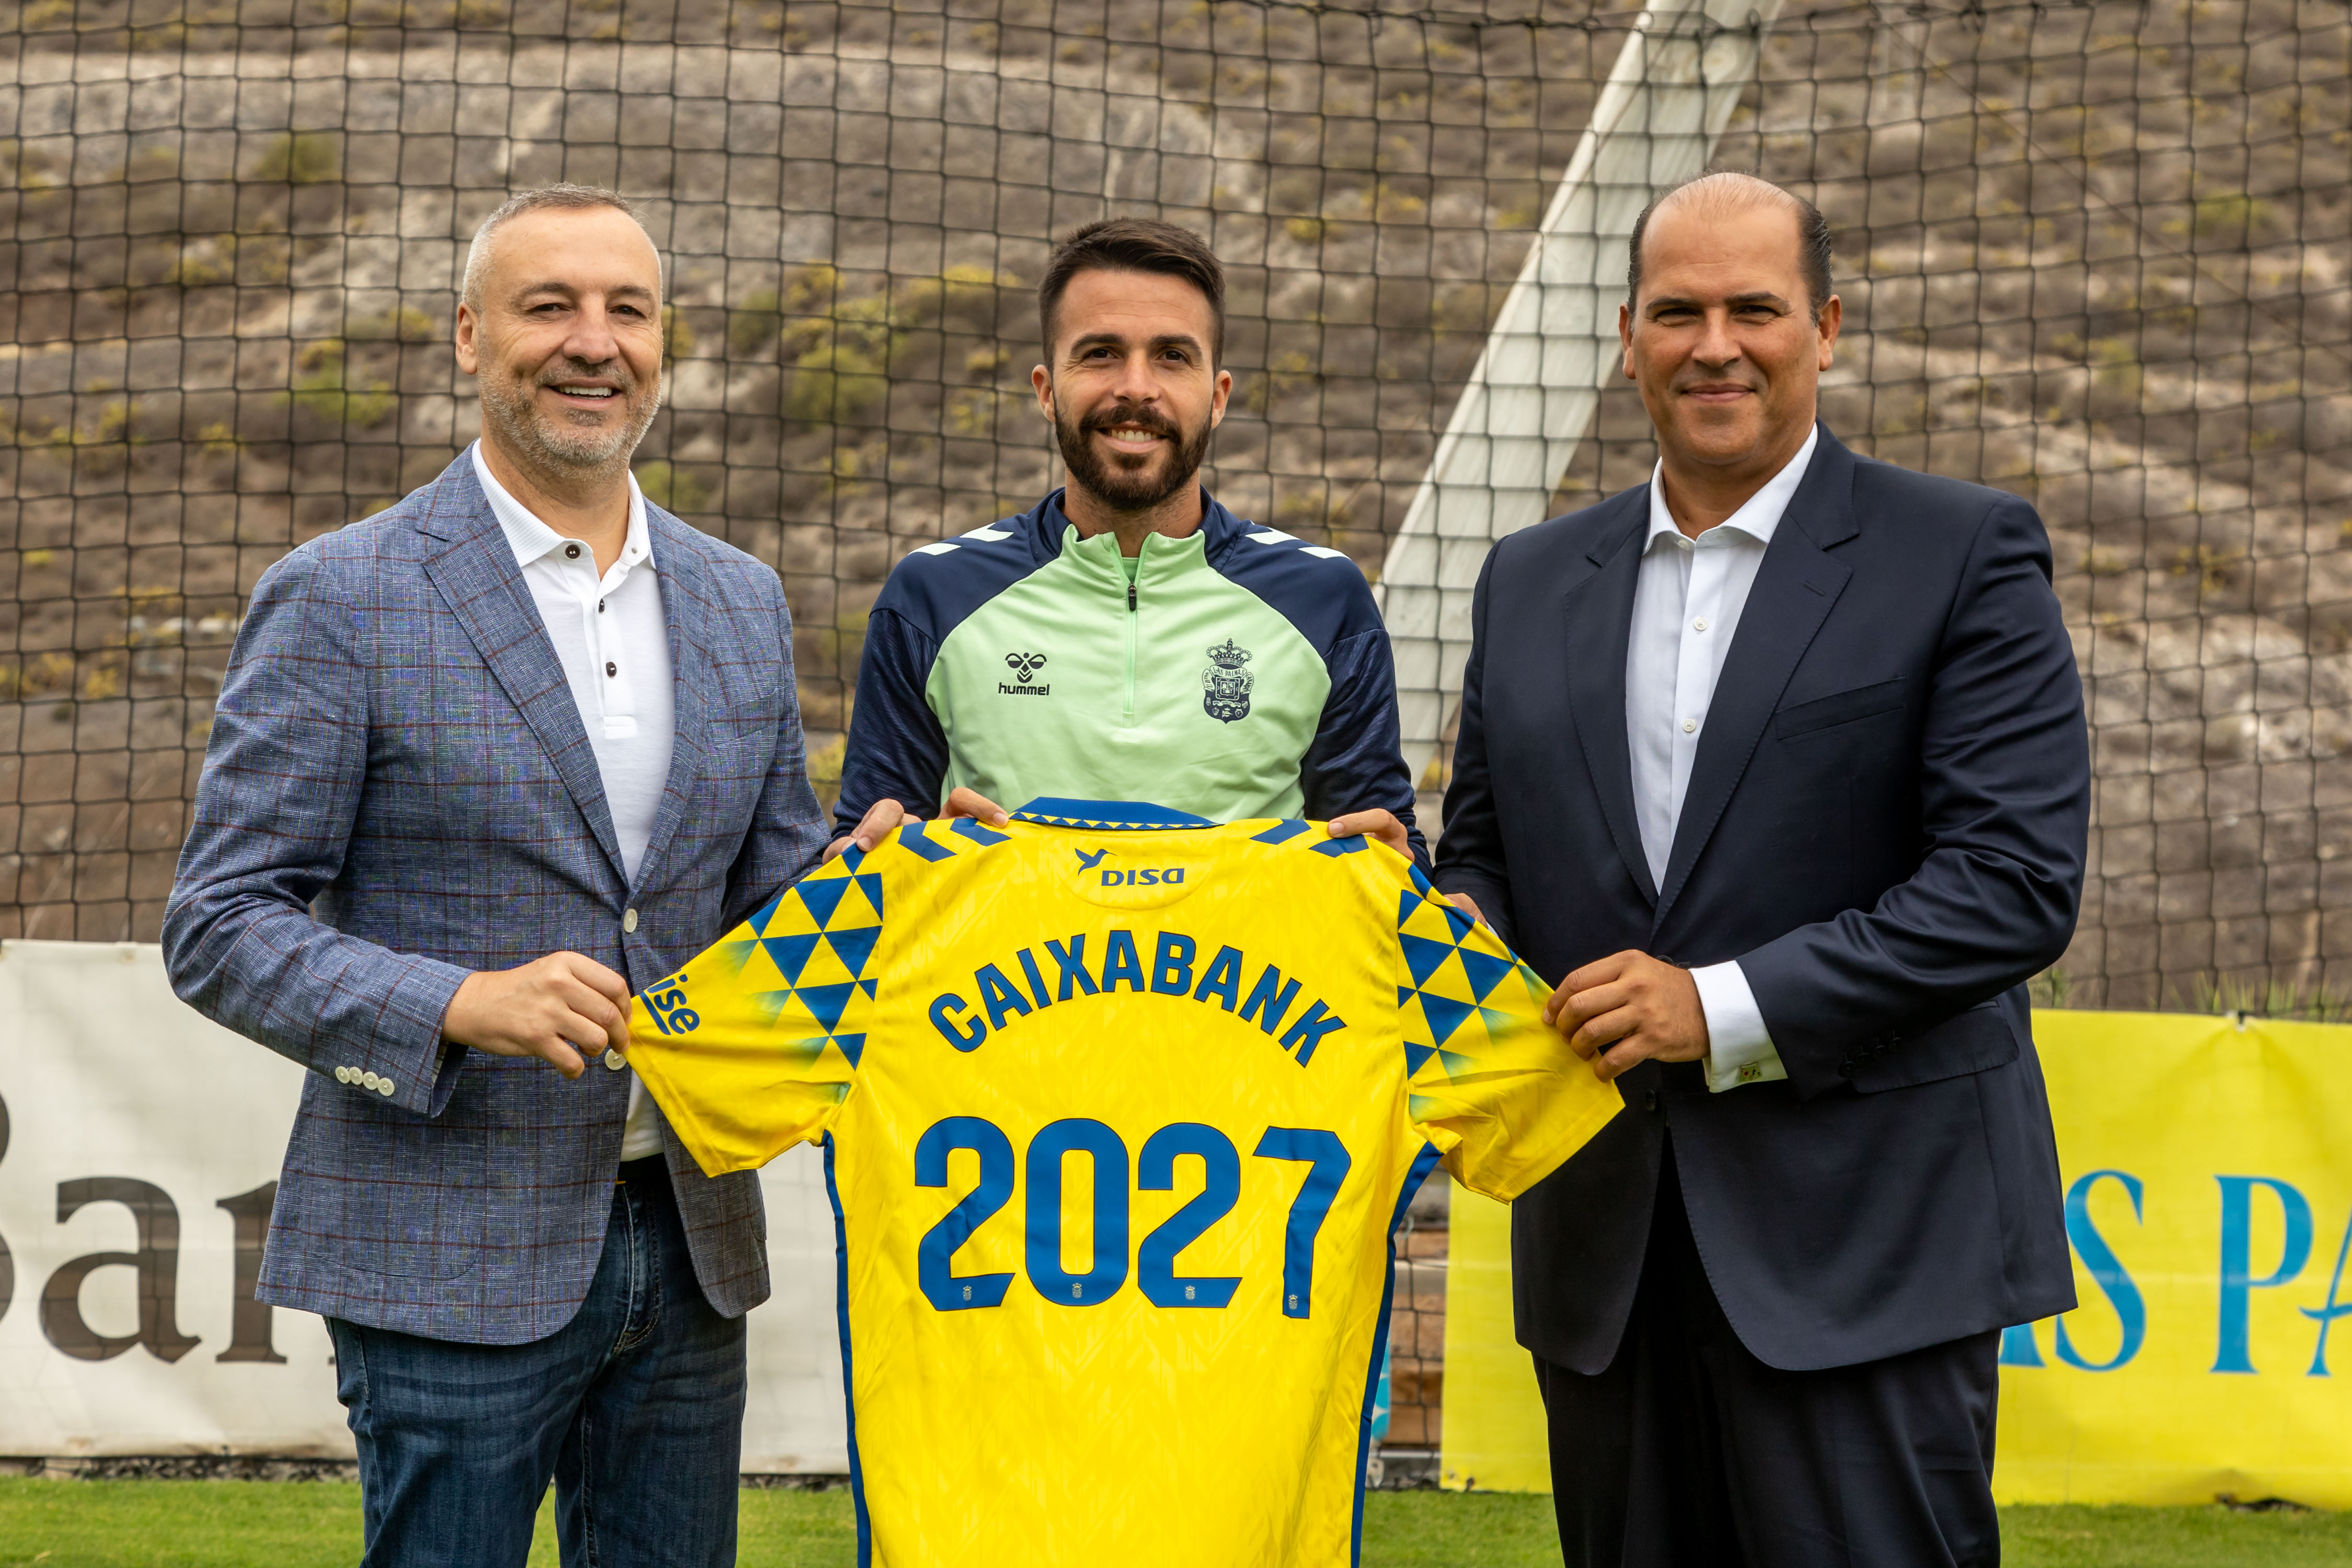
{"type": "Point", "coordinates": [1739, 1048]}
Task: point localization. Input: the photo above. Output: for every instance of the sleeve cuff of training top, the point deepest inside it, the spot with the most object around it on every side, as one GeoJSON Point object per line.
{"type": "Point", "coordinates": [1740, 1048]}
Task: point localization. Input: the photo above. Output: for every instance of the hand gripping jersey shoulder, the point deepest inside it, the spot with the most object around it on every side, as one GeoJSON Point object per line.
{"type": "Point", "coordinates": [1119, 1113]}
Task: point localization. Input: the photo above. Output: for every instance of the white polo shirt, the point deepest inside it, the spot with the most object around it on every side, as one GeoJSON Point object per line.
{"type": "Point", "coordinates": [613, 640]}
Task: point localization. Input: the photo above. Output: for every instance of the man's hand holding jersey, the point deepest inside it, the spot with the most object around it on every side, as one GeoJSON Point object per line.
{"type": "Point", "coordinates": [1620, 1010]}
{"type": "Point", "coordinates": [884, 817]}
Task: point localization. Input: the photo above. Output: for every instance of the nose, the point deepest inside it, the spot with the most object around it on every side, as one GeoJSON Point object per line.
{"type": "Point", "coordinates": [1717, 346]}
{"type": "Point", "coordinates": [591, 339]}
{"type": "Point", "coordinates": [1135, 383]}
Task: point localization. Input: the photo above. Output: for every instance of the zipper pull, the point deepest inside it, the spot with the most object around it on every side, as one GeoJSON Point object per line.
{"type": "Point", "coordinates": [1130, 598]}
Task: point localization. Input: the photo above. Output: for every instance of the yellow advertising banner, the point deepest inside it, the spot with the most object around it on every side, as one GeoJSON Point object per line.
{"type": "Point", "coordinates": [2207, 1171]}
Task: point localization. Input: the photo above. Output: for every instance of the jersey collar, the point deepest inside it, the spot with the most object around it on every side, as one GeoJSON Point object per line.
{"type": "Point", "coordinates": [1052, 811]}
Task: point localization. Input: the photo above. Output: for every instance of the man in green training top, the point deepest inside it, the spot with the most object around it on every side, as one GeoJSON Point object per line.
{"type": "Point", "coordinates": [1128, 638]}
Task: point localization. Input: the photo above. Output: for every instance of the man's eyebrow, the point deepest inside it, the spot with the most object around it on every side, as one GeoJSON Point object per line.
{"type": "Point", "coordinates": [1754, 297]}
{"type": "Point", "coordinates": [1164, 340]}
{"type": "Point", "coordinates": [557, 286]}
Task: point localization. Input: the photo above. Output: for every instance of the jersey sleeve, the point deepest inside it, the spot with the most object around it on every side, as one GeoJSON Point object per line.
{"type": "Point", "coordinates": [1493, 1088]}
{"type": "Point", "coordinates": [753, 1045]}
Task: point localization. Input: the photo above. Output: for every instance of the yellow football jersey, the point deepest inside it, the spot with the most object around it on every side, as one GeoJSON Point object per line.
{"type": "Point", "coordinates": [1119, 1109]}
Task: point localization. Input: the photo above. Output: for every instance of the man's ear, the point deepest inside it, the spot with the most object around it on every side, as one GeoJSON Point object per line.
{"type": "Point", "coordinates": [1041, 380]}
{"type": "Point", "coordinates": [1218, 399]}
{"type": "Point", "coordinates": [469, 352]}
{"type": "Point", "coordinates": [1832, 316]}
{"type": "Point", "coordinates": [1625, 337]}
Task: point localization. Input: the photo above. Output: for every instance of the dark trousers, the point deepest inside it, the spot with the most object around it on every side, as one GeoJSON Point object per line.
{"type": "Point", "coordinates": [635, 1407]}
{"type": "Point", "coordinates": [1689, 1452]}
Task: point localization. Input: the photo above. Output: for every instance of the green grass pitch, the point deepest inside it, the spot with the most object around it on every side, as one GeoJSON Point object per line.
{"type": "Point", "coordinates": [258, 1524]}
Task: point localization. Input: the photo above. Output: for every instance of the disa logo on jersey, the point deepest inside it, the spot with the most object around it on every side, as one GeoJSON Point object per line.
{"type": "Point", "coordinates": [1091, 867]}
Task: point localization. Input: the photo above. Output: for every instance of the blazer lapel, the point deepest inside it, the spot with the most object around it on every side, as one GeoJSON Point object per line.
{"type": "Point", "coordinates": [478, 577]}
{"type": "Point", "coordinates": [1599, 613]}
{"type": "Point", "coordinates": [1795, 586]}
{"type": "Point", "coordinates": [679, 569]}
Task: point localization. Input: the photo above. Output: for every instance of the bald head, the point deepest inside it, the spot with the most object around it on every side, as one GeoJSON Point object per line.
{"type": "Point", "coordinates": [1725, 193]}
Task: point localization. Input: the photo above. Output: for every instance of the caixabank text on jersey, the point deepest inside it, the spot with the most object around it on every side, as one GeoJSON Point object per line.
{"type": "Point", "coordinates": [965, 1022]}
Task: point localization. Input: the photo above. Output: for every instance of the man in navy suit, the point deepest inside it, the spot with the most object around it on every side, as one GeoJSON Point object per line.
{"type": "Point", "coordinates": [1777, 766]}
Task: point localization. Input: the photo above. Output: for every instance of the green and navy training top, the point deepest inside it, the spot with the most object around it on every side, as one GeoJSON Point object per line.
{"type": "Point", "coordinates": [1238, 673]}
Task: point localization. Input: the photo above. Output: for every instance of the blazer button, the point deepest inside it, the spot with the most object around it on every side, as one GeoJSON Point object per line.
{"type": "Point", "coordinates": [1650, 1102]}
{"type": "Point", "coordinates": [383, 1087]}
{"type": "Point", "coordinates": [343, 1075]}
{"type": "Point", "coordinates": [614, 1061]}
{"type": "Point", "coordinates": [628, 920]}
{"type": "Point", "coordinates": [369, 1080]}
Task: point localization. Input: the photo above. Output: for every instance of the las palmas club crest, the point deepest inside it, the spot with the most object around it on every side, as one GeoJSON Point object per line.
{"type": "Point", "coordinates": [1225, 689]}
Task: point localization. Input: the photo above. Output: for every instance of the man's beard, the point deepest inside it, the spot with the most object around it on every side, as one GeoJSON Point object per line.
{"type": "Point", "coordinates": [510, 409]}
{"type": "Point", "coordinates": [1129, 491]}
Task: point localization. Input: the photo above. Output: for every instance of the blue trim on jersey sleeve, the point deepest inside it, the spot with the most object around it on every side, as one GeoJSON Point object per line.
{"type": "Point", "coordinates": [849, 1383]}
{"type": "Point", "coordinates": [1355, 761]}
{"type": "Point", "coordinates": [897, 750]}
{"type": "Point", "coordinates": [1054, 812]}
{"type": "Point", "coordinates": [1422, 1164]}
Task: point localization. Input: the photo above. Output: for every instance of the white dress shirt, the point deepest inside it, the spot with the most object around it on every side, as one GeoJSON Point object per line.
{"type": "Point", "coordinates": [613, 640]}
{"type": "Point", "coordinates": [1687, 601]}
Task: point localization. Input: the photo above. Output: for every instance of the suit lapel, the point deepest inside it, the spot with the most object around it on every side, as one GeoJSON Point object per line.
{"type": "Point", "coordinates": [1795, 586]}
{"type": "Point", "coordinates": [476, 574]}
{"type": "Point", "coordinates": [679, 569]}
{"type": "Point", "coordinates": [1598, 615]}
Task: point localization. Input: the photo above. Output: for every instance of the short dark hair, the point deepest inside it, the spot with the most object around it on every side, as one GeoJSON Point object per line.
{"type": "Point", "coordinates": [1813, 230]}
{"type": "Point", "coordinates": [1133, 245]}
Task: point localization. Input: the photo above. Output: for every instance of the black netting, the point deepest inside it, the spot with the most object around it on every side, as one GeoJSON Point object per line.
{"type": "Point", "coordinates": [2099, 254]}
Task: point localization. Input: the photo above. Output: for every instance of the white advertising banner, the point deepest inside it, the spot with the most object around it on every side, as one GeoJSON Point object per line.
{"type": "Point", "coordinates": [139, 1151]}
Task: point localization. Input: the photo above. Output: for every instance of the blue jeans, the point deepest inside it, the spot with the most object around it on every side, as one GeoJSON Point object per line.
{"type": "Point", "coordinates": [635, 1407]}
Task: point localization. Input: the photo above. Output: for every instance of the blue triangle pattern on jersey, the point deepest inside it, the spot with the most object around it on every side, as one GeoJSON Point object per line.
{"type": "Point", "coordinates": [1423, 955]}
{"type": "Point", "coordinates": [870, 884]}
{"type": "Point", "coordinates": [790, 953]}
{"type": "Point", "coordinates": [1485, 970]}
{"type": "Point", "coordinates": [853, 948]}
{"type": "Point", "coordinates": [827, 1003]}
{"type": "Point", "coordinates": [823, 896]}
{"type": "Point", "coordinates": [852, 1045]}
{"type": "Point", "coordinates": [1444, 1015]}
{"type": "Point", "coordinates": [1416, 1055]}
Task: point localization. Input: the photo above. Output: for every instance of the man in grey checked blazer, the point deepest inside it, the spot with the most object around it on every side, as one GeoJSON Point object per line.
{"type": "Point", "coordinates": [434, 850]}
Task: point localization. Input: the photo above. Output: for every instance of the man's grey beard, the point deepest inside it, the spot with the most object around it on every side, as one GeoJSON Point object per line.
{"type": "Point", "coordinates": [1128, 492]}
{"type": "Point", "coordinates": [508, 409]}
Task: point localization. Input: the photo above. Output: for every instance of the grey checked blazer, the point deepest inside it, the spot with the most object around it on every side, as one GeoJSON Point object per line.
{"type": "Point", "coordinates": [397, 791]}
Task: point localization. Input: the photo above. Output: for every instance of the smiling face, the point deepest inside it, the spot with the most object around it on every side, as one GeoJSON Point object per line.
{"type": "Point", "coordinates": [565, 340]}
{"type": "Point", "coordinates": [1130, 385]}
{"type": "Point", "coordinates": [1722, 340]}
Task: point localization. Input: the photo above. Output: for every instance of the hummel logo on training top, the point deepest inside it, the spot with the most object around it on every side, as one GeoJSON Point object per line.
{"type": "Point", "coordinates": [1023, 666]}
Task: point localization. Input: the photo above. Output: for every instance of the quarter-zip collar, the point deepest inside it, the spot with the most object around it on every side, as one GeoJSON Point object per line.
{"type": "Point", "coordinates": [1051, 533]}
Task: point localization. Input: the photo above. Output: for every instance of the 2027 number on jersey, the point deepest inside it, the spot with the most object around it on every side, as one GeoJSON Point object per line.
{"type": "Point", "coordinates": [1155, 1172]}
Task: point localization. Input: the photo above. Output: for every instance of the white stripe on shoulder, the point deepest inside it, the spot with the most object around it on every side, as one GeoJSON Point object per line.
{"type": "Point", "coordinates": [990, 534]}
{"type": "Point", "coordinates": [942, 548]}
{"type": "Point", "coordinates": [1275, 536]}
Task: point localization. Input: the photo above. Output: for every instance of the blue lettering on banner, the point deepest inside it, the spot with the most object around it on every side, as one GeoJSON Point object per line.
{"type": "Point", "coordinates": [1145, 876]}
{"type": "Point", "coordinates": [2106, 1273]}
{"type": "Point", "coordinates": [2237, 1281]}
{"type": "Point", "coordinates": [2333, 1309]}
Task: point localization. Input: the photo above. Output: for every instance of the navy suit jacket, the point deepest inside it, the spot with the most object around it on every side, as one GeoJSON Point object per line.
{"type": "Point", "coordinates": [1885, 826]}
